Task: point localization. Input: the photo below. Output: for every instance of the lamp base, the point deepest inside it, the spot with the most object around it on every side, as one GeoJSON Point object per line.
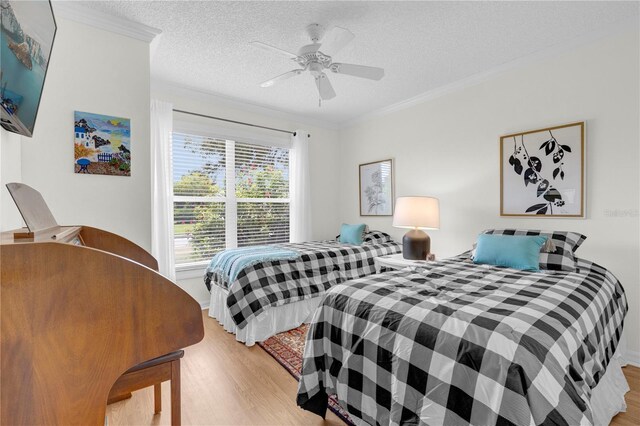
{"type": "Point", "coordinates": [416, 245]}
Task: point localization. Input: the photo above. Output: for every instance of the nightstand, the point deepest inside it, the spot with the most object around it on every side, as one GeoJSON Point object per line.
{"type": "Point", "coordinates": [396, 261]}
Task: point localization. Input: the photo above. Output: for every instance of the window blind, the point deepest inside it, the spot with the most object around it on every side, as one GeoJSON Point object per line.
{"type": "Point", "coordinates": [227, 194]}
{"type": "Point", "coordinates": [262, 194]}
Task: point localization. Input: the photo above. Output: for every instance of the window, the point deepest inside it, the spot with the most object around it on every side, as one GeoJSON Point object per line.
{"type": "Point", "coordinates": [227, 194]}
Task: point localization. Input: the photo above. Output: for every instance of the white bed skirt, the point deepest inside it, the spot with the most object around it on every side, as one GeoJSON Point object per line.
{"type": "Point", "coordinates": [272, 321]}
{"type": "Point", "coordinates": [607, 399]}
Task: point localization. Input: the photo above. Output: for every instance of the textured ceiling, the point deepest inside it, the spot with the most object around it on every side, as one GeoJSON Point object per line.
{"type": "Point", "coordinates": [421, 45]}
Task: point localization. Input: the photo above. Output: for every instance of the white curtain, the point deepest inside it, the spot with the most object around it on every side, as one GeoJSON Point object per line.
{"type": "Point", "coordinates": [300, 188]}
{"type": "Point", "coordinates": [162, 188]}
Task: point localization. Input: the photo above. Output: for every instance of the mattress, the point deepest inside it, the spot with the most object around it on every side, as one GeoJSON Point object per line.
{"type": "Point", "coordinates": [460, 343]}
{"type": "Point", "coordinates": [321, 265]}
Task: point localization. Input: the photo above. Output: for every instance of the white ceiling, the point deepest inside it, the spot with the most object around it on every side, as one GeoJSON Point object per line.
{"type": "Point", "coordinates": [421, 45]}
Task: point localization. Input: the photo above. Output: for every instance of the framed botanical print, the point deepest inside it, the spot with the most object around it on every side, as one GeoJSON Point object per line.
{"type": "Point", "coordinates": [542, 172]}
{"type": "Point", "coordinates": [376, 188]}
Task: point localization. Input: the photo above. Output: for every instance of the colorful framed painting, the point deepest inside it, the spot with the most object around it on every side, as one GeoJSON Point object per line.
{"type": "Point", "coordinates": [102, 144]}
{"type": "Point", "coordinates": [376, 188]}
{"type": "Point", "coordinates": [542, 172]}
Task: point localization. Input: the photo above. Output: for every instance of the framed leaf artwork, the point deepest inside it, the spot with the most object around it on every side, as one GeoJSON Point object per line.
{"type": "Point", "coordinates": [542, 172]}
{"type": "Point", "coordinates": [376, 188]}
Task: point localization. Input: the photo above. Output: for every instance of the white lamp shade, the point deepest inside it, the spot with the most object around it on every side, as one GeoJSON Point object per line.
{"type": "Point", "coordinates": [417, 212]}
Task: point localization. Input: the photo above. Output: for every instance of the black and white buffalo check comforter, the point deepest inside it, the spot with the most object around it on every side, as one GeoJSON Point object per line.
{"type": "Point", "coordinates": [321, 265]}
{"type": "Point", "coordinates": [461, 343]}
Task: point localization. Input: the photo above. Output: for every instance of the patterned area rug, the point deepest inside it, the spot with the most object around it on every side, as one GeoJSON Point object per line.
{"type": "Point", "coordinates": [287, 348]}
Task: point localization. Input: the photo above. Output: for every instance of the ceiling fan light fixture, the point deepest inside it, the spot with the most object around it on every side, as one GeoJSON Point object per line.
{"type": "Point", "coordinates": [312, 59]}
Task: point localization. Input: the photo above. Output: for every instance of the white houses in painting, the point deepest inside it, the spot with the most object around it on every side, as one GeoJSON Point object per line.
{"type": "Point", "coordinates": [83, 137]}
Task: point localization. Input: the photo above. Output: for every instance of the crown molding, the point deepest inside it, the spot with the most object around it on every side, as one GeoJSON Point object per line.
{"type": "Point", "coordinates": [475, 79]}
{"type": "Point", "coordinates": [158, 85]}
{"type": "Point", "coordinates": [77, 12]}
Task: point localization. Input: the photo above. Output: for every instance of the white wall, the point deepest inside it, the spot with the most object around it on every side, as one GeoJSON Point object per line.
{"type": "Point", "coordinates": [10, 171]}
{"type": "Point", "coordinates": [323, 155]}
{"type": "Point", "coordinates": [94, 71]}
{"type": "Point", "coordinates": [448, 148]}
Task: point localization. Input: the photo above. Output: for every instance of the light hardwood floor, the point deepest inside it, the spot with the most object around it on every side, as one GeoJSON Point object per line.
{"type": "Point", "coordinates": [226, 383]}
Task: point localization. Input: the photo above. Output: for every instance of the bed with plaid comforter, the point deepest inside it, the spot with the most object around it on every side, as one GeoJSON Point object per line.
{"type": "Point", "coordinates": [321, 265]}
{"type": "Point", "coordinates": [460, 343]}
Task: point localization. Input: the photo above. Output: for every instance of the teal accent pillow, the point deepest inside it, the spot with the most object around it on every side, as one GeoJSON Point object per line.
{"type": "Point", "coordinates": [513, 251]}
{"type": "Point", "coordinates": [352, 234]}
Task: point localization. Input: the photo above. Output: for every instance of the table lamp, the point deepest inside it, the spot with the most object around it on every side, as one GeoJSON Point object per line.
{"type": "Point", "coordinates": [416, 213]}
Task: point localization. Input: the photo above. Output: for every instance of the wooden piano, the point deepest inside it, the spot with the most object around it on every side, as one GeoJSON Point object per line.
{"type": "Point", "coordinates": [79, 307]}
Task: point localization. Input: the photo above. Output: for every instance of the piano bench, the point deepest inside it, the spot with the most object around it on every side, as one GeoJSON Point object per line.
{"type": "Point", "coordinates": [152, 373]}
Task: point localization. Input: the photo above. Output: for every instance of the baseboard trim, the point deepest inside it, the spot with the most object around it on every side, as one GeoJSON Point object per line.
{"type": "Point", "coordinates": [632, 358]}
{"type": "Point", "coordinates": [204, 305]}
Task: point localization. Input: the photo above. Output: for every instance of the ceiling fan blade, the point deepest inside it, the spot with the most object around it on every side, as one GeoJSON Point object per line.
{"type": "Point", "coordinates": [372, 73]}
{"type": "Point", "coordinates": [286, 75]}
{"type": "Point", "coordinates": [335, 39]}
{"type": "Point", "coordinates": [324, 87]}
{"type": "Point", "coordinates": [271, 48]}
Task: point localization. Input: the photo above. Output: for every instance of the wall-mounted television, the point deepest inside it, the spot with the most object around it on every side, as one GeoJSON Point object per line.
{"type": "Point", "coordinates": [27, 32]}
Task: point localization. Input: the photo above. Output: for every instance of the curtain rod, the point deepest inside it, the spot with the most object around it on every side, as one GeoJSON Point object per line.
{"type": "Point", "coordinates": [235, 122]}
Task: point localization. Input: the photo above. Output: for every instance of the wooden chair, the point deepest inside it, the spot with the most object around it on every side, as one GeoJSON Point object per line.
{"type": "Point", "coordinates": [152, 373]}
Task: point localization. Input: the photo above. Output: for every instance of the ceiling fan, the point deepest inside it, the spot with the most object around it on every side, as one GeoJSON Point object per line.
{"type": "Point", "coordinates": [318, 57]}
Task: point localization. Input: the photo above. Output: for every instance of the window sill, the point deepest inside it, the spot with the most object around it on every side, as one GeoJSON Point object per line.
{"type": "Point", "coordinates": [184, 272]}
